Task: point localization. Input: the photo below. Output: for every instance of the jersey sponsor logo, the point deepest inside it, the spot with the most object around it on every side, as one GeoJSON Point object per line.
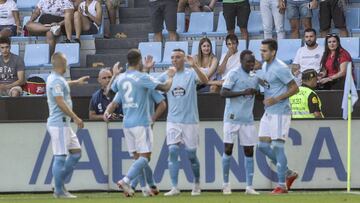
{"type": "Point", "coordinates": [178, 91]}
{"type": "Point", "coordinates": [100, 108]}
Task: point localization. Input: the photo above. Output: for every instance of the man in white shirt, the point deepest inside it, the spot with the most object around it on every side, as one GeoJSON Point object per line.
{"type": "Point", "coordinates": [308, 56]}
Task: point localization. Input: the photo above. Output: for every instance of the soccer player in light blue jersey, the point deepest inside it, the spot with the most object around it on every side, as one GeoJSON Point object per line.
{"type": "Point", "coordinates": [183, 118]}
{"type": "Point", "coordinates": [65, 144]}
{"type": "Point", "coordinates": [133, 89]}
{"type": "Point", "coordinates": [239, 89]}
{"type": "Point", "coordinates": [279, 85]}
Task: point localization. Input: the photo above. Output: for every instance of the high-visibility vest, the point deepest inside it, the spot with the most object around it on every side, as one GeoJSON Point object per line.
{"type": "Point", "coordinates": [299, 103]}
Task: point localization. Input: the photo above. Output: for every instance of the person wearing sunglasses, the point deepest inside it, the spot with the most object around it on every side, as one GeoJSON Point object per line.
{"type": "Point", "coordinates": [99, 100]}
{"type": "Point", "coordinates": [333, 64]}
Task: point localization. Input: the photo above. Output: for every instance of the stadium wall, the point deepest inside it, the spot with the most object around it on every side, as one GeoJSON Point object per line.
{"type": "Point", "coordinates": [317, 150]}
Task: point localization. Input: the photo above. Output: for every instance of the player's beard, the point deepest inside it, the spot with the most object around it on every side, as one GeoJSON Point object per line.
{"type": "Point", "coordinates": [310, 44]}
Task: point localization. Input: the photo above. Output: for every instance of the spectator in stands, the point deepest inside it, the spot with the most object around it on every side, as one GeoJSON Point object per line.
{"type": "Point", "coordinates": [56, 17]}
{"type": "Point", "coordinates": [334, 63]}
{"type": "Point", "coordinates": [332, 10]}
{"type": "Point", "coordinates": [196, 5]}
{"type": "Point", "coordinates": [99, 100]}
{"type": "Point", "coordinates": [12, 74]}
{"type": "Point", "coordinates": [228, 61]}
{"type": "Point", "coordinates": [76, 4]}
{"type": "Point", "coordinates": [299, 10]}
{"type": "Point", "coordinates": [207, 62]}
{"type": "Point", "coordinates": [111, 7]}
{"type": "Point", "coordinates": [272, 11]}
{"type": "Point", "coordinates": [308, 56]}
{"type": "Point", "coordinates": [160, 11]}
{"type": "Point", "coordinates": [87, 19]}
{"type": "Point", "coordinates": [239, 10]}
{"type": "Point", "coordinates": [9, 19]}
{"type": "Point", "coordinates": [306, 103]}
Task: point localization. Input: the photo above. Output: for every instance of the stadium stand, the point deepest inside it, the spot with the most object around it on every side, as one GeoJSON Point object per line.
{"type": "Point", "coordinates": [36, 55]}
{"type": "Point", "coordinates": [170, 46]}
{"type": "Point", "coordinates": [195, 47]}
{"type": "Point", "coordinates": [26, 4]}
{"type": "Point", "coordinates": [241, 46]}
{"type": "Point", "coordinates": [151, 48]}
{"type": "Point", "coordinates": [201, 22]}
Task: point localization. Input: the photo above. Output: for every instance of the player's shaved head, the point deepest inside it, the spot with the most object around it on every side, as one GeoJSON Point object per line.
{"type": "Point", "coordinates": [59, 62]}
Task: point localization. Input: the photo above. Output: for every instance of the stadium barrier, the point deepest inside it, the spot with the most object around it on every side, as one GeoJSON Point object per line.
{"type": "Point", "coordinates": [317, 150]}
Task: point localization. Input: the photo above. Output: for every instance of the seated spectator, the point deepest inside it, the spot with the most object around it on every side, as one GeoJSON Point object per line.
{"type": "Point", "coordinates": [306, 103]}
{"type": "Point", "coordinates": [196, 5]}
{"type": "Point", "coordinates": [228, 61]}
{"type": "Point", "coordinates": [239, 10]}
{"type": "Point", "coordinates": [207, 62]}
{"type": "Point", "coordinates": [87, 19]}
{"type": "Point", "coordinates": [307, 57]}
{"type": "Point", "coordinates": [56, 17]}
{"type": "Point", "coordinates": [12, 74]}
{"type": "Point", "coordinates": [160, 11]}
{"type": "Point", "coordinates": [9, 19]}
{"type": "Point", "coordinates": [332, 10]}
{"type": "Point", "coordinates": [76, 4]}
{"type": "Point", "coordinates": [99, 100]}
{"type": "Point", "coordinates": [334, 63]}
{"type": "Point", "coordinates": [272, 12]}
{"type": "Point", "coordinates": [299, 10]}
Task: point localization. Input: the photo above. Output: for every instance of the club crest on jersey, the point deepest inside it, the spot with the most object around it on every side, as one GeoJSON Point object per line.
{"type": "Point", "coordinates": [178, 91]}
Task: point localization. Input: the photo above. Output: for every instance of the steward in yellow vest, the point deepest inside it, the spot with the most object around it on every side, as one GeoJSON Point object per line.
{"type": "Point", "coordinates": [306, 103]}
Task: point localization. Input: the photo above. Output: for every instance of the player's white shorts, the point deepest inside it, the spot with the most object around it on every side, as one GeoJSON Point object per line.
{"type": "Point", "coordinates": [245, 132]}
{"type": "Point", "coordinates": [63, 139]}
{"type": "Point", "coordinates": [274, 126]}
{"type": "Point", "coordinates": [139, 139]}
{"type": "Point", "coordinates": [187, 134]}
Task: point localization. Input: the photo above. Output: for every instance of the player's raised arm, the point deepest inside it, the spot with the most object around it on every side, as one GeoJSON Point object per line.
{"type": "Point", "coordinates": [201, 75]}
{"type": "Point", "coordinates": [80, 81]}
{"type": "Point", "coordinates": [167, 84]}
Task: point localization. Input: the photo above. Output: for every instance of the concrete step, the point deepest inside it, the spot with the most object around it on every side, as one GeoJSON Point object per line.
{"type": "Point", "coordinates": [118, 43]}
{"type": "Point", "coordinates": [141, 3]}
{"type": "Point", "coordinates": [112, 51]}
{"type": "Point", "coordinates": [107, 59]}
{"type": "Point", "coordinates": [126, 13]}
{"type": "Point", "coordinates": [132, 28]}
{"type": "Point", "coordinates": [79, 72]}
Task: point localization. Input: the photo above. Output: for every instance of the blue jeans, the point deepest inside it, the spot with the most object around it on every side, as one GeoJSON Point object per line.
{"type": "Point", "coordinates": [270, 15]}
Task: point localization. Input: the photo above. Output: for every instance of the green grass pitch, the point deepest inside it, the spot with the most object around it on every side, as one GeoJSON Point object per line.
{"type": "Point", "coordinates": [205, 197]}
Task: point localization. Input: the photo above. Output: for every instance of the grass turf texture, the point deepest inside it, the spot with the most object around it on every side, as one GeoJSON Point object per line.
{"type": "Point", "coordinates": [205, 197]}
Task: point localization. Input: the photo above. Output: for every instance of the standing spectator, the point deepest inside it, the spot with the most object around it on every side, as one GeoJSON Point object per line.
{"type": "Point", "coordinates": [9, 19]}
{"type": "Point", "coordinates": [333, 63]}
{"type": "Point", "coordinates": [306, 103]}
{"type": "Point", "coordinates": [12, 74]}
{"type": "Point", "coordinates": [308, 56]}
{"type": "Point", "coordinates": [299, 10]}
{"type": "Point", "coordinates": [56, 17]}
{"type": "Point", "coordinates": [332, 10]}
{"type": "Point", "coordinates": [161, 10]}
{"type": "Point", "coordinates": [239, 10]}
{"type": "Point", "coordinates": [272, 11]}
{"type": "Point", "coordinates": [196, 5]}
{"type": "Point", "coordinates": [99, 101]}
{"type": "Point", "coordinates": [207, 61]}
{"type": "Point", "coordinates": [112, 6]}
{"type": "Point", "coordinates": [87, 19]}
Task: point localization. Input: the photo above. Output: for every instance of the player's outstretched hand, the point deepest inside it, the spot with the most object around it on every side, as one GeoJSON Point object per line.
{"type": "Point", "coordinates": [83, 80]}
{"type": "Point", "coordinates": [149, 63]}
{"type": "Point", "coordinates": [171, 71]}
{"type": "Point", "coordinates": [117, 69]}
{"type": "Point", "coordinates": [79, 123]}
{"type": "Point", "coordinates": [190, 60]}
{"type": "Point", "coordinates": [250, 91]}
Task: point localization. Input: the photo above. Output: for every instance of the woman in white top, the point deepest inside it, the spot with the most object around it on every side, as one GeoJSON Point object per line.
{"type": "Point", "coordinates": [9, 19]}
{"type": "Point", "coordinates": [207, 61]}
{"type": "Point", "coordinates": [87, 19]}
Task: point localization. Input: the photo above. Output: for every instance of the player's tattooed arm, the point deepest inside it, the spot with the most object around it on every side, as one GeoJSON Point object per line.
{"type": "Point", "coordinates": [227, 93]}
{"type": "Point", "coordinates": [116, 70]}
{"type": "Point", "coordinates": [292, 89]}
{"type": "Point", "coordinates": [65, 108]}
{"type": "Point", "coordinates": [110, 110]}
{"type": "Point", "coordinates": [167, 85]}
{"type": "Point", "coordinates": [81, 81]}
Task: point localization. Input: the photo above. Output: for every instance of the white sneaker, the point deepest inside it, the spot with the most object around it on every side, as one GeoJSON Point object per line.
{"type": "Point", "coordinates": [128, 191]}
{"type": "Point", "coordinates": [250, 191]}
{"type": "Point", "coordinates": [67, 195]}
{"type": "Point", "coordinates": [146, 192]}
{"type": "Point", "coordinates": [56, 30]}
{"type": "Point", "coordinates": [226, 189]}
{"type": "Point", "coordinates": [174, 191]}
{"type": "Point", "coordinates": [196, 190]}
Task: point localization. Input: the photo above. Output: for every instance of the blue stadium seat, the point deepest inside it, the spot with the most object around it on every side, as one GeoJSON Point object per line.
{"type": "Point", "coordinates": [254, 46]}
{"type": "Point", "coordinates": [287, 49]}
{"type": "Point", "coordinates": [180, 24]}
{"type": "Point", "coordinates": [255, 2]}
{"type": "Point", "coordinates": [195, 47]}
{"type": "Point", "coordinates": [71, 51]}
{"type": "Point", "coordinates": [321, 41]}
{"type": "Point", "coordinates": [353, 20]}
{"type": "Point", "coordinates": [15, 49]}
{"type": "Point", "coordinates": [351, 44]}
{"type": "Point", "coordinates": [201, 22]}
{"type": "Point", "coordinates": [221, 26]}
{"type": "Point", "coordinates": [170, 46]}
{"type": "Point", "coordinates": [36, 55]}
{"type": "Point", "coordinates": [26, 4]}
{"type": "Point", "coordinates": [255, 23]}
{"type": "Point", "coordinates": [151, 48]}
{"type": "Point", "coordinates": [357, 77]}
{"type": "Point", "coordinates": [241, 46]}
